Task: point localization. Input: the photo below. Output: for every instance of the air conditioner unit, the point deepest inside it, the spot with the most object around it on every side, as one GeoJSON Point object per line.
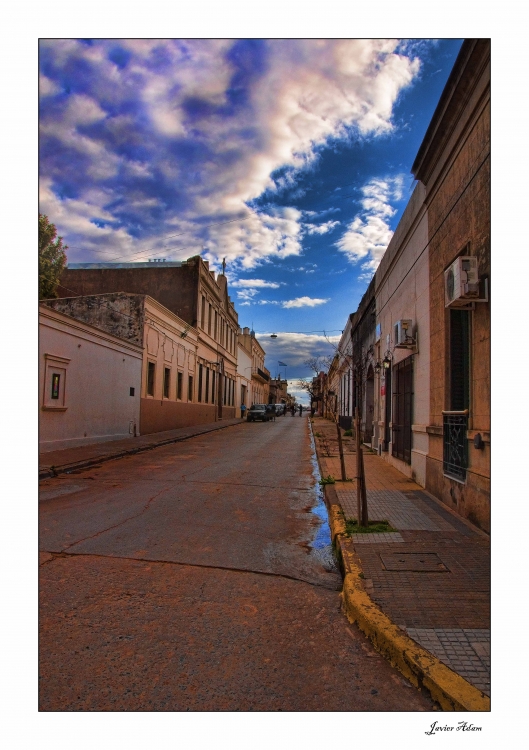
{"type": "Point", "coordinates": [403, 333]}
{"type": "Point", "coordinates": [462, 282]}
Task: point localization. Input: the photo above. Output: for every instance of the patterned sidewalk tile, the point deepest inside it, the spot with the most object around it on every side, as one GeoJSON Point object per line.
{"type": "Point", "coordinates": [392, 506]}
{"type": "Point", "coordinates": [464, 650]}
{"type": "Point", "coordinates": [384, 538]}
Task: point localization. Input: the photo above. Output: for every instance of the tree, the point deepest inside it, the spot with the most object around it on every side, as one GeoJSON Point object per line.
{"type": "Point", "coordinates": [52, 258]}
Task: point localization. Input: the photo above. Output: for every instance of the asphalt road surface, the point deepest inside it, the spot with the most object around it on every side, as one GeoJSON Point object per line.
{"type": "Point", "coordinates": [186, 579]}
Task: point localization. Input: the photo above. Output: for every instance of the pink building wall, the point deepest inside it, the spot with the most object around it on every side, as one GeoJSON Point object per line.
{"type": "Point", "coordinates": [94, 373]}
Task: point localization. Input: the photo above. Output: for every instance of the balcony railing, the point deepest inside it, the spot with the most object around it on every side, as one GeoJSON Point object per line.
{"type": "Point", "coordinates": [261, 374]}
{"type": "Point", "coordinates": [455, 444]}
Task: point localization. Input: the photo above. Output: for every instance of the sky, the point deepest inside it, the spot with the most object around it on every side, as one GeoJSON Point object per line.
{"type": "Point", "coordinates": [289, 158]}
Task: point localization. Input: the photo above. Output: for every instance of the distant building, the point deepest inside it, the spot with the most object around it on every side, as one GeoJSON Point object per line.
{"type": "Point", "coordinates": [260, 382]}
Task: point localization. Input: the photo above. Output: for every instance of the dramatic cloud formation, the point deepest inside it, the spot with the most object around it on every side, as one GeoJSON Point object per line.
{"type": "Point", "coordinates": [157, 140]}
{"type": "Point", "coordinates": [369, 233]}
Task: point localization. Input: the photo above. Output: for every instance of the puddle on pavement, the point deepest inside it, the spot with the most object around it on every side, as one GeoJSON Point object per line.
{"type": "Point", "coordinates": [320, 545]}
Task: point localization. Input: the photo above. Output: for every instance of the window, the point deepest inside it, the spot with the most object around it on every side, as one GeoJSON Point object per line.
{"type": "Point", "coordinates": [203, 318]}
{"type": "Point", "coordinates": [209, 319]}
{"type": "Point", "coordinates": [459, 360]}
{"type": "Point", "coordinates": [190, 388]}
{"type": "Point", "coordinates": [55, 381]}
{"type": "Point", "coordinates": [151, 368]}
{"type": "Point", "coordinates": [132, 391]}
{"type": "Point", "coordinates": [213, 379]}
{"type": "Point", "coordinates": [54, 396]}
{"type": "Point", "coordinates": [206, 398]}
{"type": "Point", "coordinates": [179, 384]}
{"type": "Point", "coordinates": [166, 381]}
{"type": "Point", "coordinates": [200, 368]}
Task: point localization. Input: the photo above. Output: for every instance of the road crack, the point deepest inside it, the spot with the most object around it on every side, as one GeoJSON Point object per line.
{"type": "Point", "coordinates": [117, 525]}
{"type": "Point", "coordinates": [270, 574]}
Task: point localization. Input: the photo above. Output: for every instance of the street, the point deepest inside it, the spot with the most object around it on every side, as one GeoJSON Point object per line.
{"type": "Point", "coordinates": [187, 578]}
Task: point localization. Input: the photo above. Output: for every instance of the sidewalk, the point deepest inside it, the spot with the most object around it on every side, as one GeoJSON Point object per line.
{"type": "Point", "coordinates": [71, 459]}
{"type": "Point", "coordinates": [431, 578]}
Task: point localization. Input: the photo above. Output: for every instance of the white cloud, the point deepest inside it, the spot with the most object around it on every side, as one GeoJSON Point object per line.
{"type": "Point", "coordinates": [304, 302]}
{"type": "Point", "coordinates": [369, 234]}
{"type": "Point", "coordinates": [255, 283]}
{"type": "Point", "coordinates": [321, 228]}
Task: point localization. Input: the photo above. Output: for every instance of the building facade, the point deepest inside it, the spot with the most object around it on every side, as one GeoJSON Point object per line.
{"type": "Point", "coordinates": [182, 379]}
{"type": "Point", "coordinates": [453, 164]}
{"type": "Point", "coordinates": [189, 290]}
{"type": "Point", "coordinates": [402, 345]}
{"type": "Point", "coordinates": [89, 383]}
{"type": "Point", "coordinates": [260, 381]}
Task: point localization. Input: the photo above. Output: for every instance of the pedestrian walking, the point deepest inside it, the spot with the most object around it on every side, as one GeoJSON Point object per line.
{"type": "Point", "coordinates": [300, 409]}
{"type": "Point", "coordinates": [243, 411]}
{"type": "Point", "coordinates": [292, 410]}
{"type": "Point", "coordinates": [271, 411]}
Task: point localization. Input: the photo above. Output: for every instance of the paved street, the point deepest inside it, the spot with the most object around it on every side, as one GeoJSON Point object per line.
{"type": "Point", "coordinates": [191, 577]}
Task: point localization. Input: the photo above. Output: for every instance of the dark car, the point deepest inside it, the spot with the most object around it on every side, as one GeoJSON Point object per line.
{"type": "Point", "coordinates": [280, 409]}
{"type": "Point", "coordinates": [258, 411]}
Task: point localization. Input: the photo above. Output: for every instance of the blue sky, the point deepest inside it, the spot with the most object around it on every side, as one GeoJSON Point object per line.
{"type": "Point", "coordinates": [289, 158]}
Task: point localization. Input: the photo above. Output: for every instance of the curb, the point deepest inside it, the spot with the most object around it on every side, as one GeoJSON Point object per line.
{"type": "Point", "coordinates": [54, 471]}
{"type": "Point", "coordinates": [420, 667]}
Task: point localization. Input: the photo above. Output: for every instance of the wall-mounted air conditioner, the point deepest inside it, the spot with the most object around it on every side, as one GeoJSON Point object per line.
{"type": "Point", "coordinates": [462, 282]}
{"type": "Point", "coordinates": [403, 333]}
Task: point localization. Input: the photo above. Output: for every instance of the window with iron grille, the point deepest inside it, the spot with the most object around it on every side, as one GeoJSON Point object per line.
{"type": "Point", "coordinates": [179, 385]}
{"type": "Point", "coordinates": [166, 381]}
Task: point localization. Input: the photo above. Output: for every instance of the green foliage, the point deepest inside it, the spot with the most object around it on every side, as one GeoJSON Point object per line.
{"type": "Point", "coordinates": [374, 527]}
{"type": "Point", "coordinates": [52, 258]}
{"type": "Point", "coordinates": [327, 480]}
{"type": "Point", "coordinates": [348, 433]}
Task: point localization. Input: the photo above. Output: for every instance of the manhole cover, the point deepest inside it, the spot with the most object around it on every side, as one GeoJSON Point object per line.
{"type": "Point", "coordinates": [427, 562]}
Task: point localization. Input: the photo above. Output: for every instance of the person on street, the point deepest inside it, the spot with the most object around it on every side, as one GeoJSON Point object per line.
{"type": "Point", "coordinates": [271, 411]}
{"type": "Point", "coordinates": [243, 411]}
{"type": "Point", "coordinates": [300, 410]}
{"type": "Point", "coordinates": [292, 410]}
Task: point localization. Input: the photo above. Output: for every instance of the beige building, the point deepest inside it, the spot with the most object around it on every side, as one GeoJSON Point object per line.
{"type": "Point", "coordinates": [260, 382]}
{"type": "Point", "coordinates": [184, 381]}
{"type": "Point", "coordinates": [190, 291]}
{"type": "Point", "coordinates": [453, 165]}
{"type": "Point", "coordinates": [89, 383]}
{"type": "Point", "coordinates": [244, 376]}
{"type": "Point", "coordinates": [402, 344]}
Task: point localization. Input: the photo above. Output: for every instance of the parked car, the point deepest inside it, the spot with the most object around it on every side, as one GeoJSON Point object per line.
{"type": "Point", "coordinates": [258, 411]}
{"type": "Point", "coordinates": [280, 409]}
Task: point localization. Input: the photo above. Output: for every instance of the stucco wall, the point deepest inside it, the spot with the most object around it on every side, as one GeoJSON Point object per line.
{"type": "Point", "coordinates": [97, 372]}
{"type": "Point", "coordinates": [402, 293]}
{"type": "Point", "coordinates": [458, 198]}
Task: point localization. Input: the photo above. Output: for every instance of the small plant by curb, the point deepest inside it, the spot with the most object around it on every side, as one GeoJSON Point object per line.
{"type": "Point", "coordinates": [327, 480]}
{"type": "Point", "coordinates": [348, 433]}
{"type": "Point", "coordinates": [374, 527]}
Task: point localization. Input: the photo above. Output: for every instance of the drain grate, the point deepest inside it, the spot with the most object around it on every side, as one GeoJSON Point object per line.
{"type": "Point", "coordinates": [417, 562]}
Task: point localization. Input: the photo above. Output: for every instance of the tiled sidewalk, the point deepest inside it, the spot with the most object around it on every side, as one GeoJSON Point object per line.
{"type": "Point", "coordinates": [432, 578]}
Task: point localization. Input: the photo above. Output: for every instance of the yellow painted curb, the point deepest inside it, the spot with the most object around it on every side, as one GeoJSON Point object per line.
{"type": "Point", "coordinates": [421, 668]}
